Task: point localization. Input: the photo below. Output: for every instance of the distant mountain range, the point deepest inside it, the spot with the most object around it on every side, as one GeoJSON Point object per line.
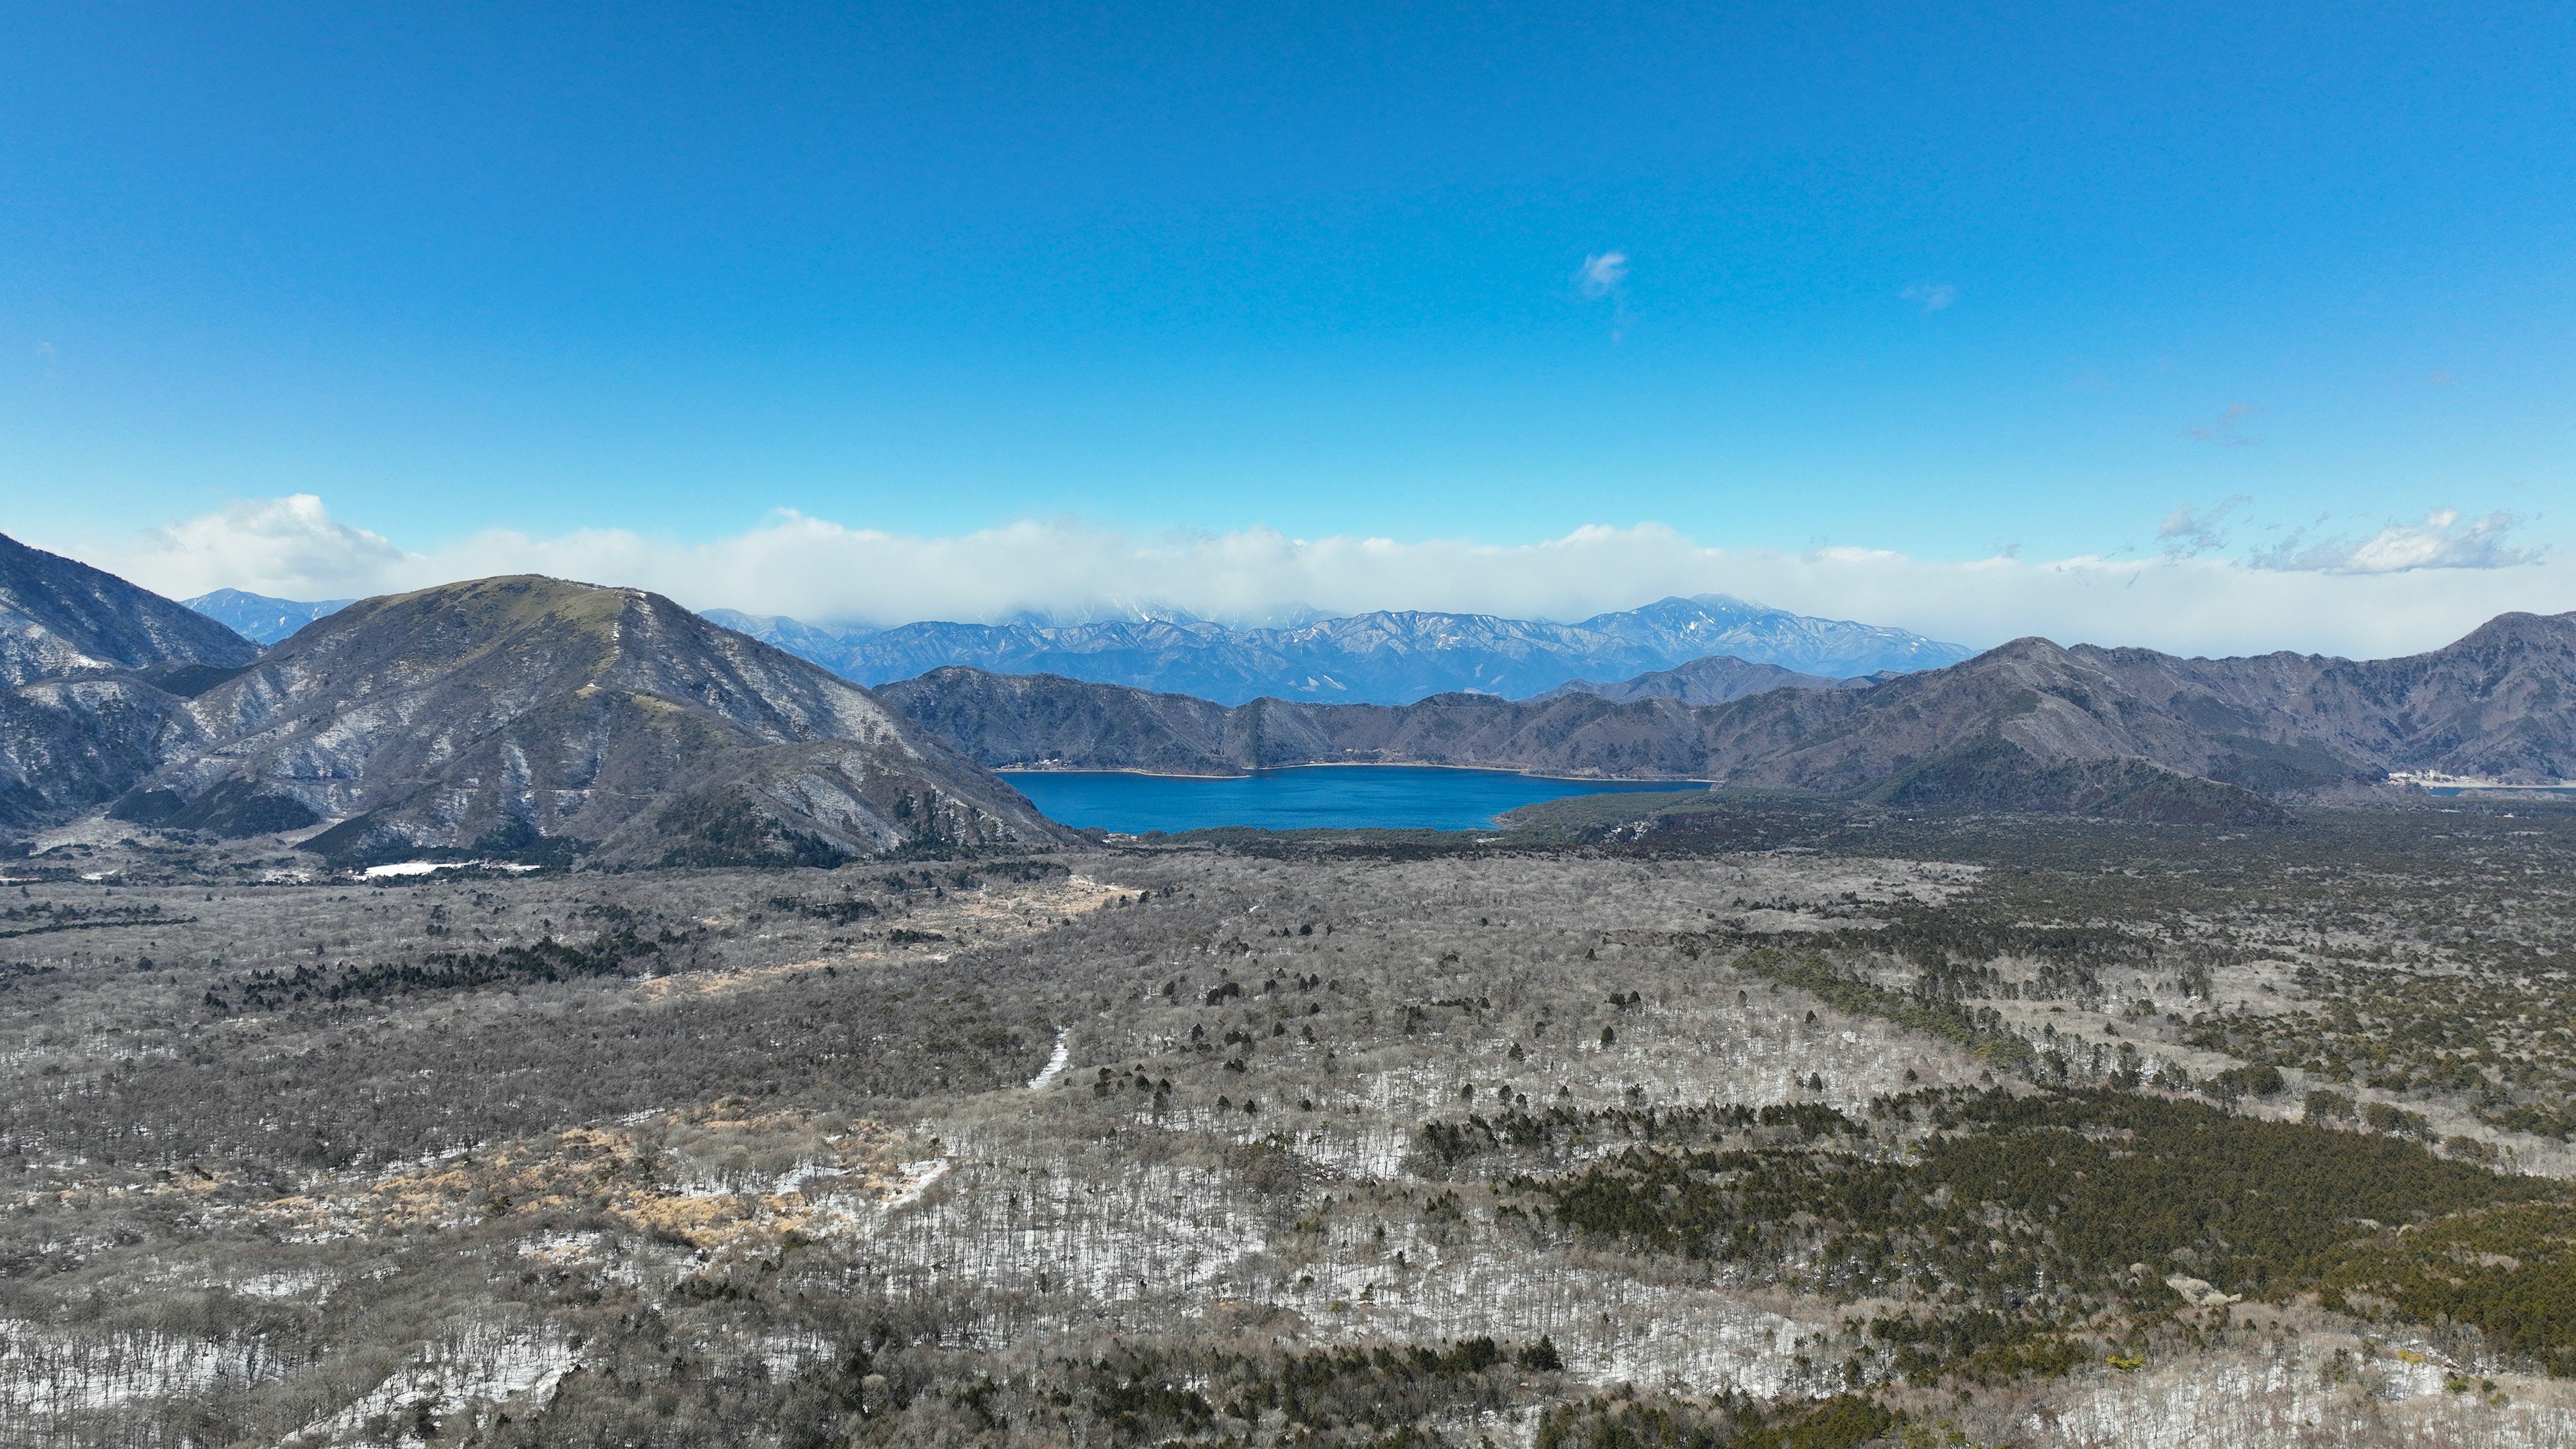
{"type": "Point", "coordinates": [2029, 726]}
{"type": "Point", "coordinates": [533, 717]}
{"type": "Point", "coordinates": [259, 617]}
{"type": "Point", "coordinates": [515, 716]}
{"type": "Point", "coordinates": [1389, 657]}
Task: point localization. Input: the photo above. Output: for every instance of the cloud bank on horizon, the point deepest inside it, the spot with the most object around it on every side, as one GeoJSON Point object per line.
{"type": "Point", "coordinates": [2407, 587]}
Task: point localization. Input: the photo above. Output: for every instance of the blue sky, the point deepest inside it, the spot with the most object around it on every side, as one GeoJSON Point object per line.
{"type": "Point", "coordinates": [1945, 281]}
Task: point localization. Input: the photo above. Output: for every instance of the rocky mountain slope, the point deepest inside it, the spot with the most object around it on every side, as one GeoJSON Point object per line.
{"type": "Point", "coordinates": [260, 617]}
{"type": "Point", "coordinates": [1713, 680]}
{"type": "Point", "coordinates": [60, 617]}
{"type": "Point", "coordinates": [1389, 657]}
{"type": "Point", "coordinates": [92, 670]}
{"type": "Point", "coordinates": [2031, 726]}
{"type": "Point", "coordinates": [528, 714]}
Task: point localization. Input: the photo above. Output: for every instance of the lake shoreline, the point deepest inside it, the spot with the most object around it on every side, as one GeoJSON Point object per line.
{"type": "Point", "coordinates": [1370, 795]}
{"type": "Point", "coordinates": [1676, 781]}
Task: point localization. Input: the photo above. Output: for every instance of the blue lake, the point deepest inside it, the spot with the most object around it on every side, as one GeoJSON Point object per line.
{"type": "Point", "coordinates": [1326, 797]}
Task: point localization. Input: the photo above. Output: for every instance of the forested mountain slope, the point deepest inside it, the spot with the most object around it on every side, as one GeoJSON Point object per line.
{"type": "Point", "coordinates": [515, 713]}
{"type": "Point", "coordinates": [2031, 725]}
{"type": "Point", "coordinates": [69, 745]}
{"type": "Point", "coordinates": [2499, 703]}
{"type": "Point", "coordinates": [1716, 679]}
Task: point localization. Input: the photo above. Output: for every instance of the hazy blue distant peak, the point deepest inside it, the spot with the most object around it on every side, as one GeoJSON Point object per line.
{"type": "Point", "coordinates": [1701, 616]}
{"type": "Point", "coordinates": [259, 617]}
{"type": "Point", "coordinates": [793, 635]}
{"type": "Point", "coordinates": [1720, 624]}
{"type": "Point", "coordinates": [1698, 611]}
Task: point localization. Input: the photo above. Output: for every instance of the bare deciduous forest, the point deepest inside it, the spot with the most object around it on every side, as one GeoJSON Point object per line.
{"type": "Point", "coordinates": [1733, 1125]}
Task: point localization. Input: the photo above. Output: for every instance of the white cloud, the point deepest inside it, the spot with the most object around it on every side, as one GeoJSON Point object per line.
{"type": "Point", "coordinates": [1931, 296]}
{"type": "Point", "coordinates": [2227, 432]}
{"type": "Point", "coordinates": [2372, 605]}
{"type": "Point", "coordinates": [1601, 274]}
{"type": "Point", "coordinates": [291, 547]}
{"type": "Point", "coordinates": [2441, 541]}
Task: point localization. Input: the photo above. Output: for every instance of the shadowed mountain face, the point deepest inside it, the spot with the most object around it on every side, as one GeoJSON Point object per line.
{"type": "Point", "coordinates": [2029, 726]}
{"type": "Point", "coordinates": [60, 618]}
{"type": "Point", "coordinates": [69, 745]}
{"type": "Point", "coordinates": [516, 714]}
{"type": "Point", "coordinates": [259, 617]}
{"type": "Point", "coordinates": [1390, 657]}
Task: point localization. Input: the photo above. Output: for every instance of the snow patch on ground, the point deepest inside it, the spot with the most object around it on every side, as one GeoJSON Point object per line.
{"type": "Point", "coordinates": [43, 1374]}
{"type": "Point", "coordinates": [425, 867]}
{"type": "Point", "coordinates": [1055, 1064]}
{"type": "Point", "coordinates": [481, 1368]}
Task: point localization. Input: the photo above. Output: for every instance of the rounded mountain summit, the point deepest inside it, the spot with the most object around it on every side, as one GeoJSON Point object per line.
{"type": "Point", "coordinates": [534, 716]}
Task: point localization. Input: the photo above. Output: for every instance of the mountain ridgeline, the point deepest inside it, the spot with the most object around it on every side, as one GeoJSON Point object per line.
{"type": "Point", "coordinates": [1388, 657]}
{"type": "Point", "coordinates": [2029, 726]}
{"type": "Point", "coordinates": [60, 618]}
{"type": "Point", "coordinates": [526, 717]}
{"type": "Point", "coordinates": [1714, 680]}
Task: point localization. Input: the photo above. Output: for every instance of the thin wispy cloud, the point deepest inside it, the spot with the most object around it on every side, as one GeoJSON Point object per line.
{"type": "Point", "coordinates": [1605, 274]}
{"type": "Point", "coordinates": [2407, 589]}
{"type": "Point", "coordinates": [2189, 533]}
{"type": "Point", "coordinates": [2442, 541]}
{"type": "Point", "coordinates": [2228, 431]}
{"type": "Point", "coordinates": [1601, 273]}
{"type": "Point", "coordinates": [1932, 296]}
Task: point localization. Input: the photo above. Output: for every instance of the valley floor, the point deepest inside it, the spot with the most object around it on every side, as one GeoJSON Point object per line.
{"type": "Point", "coordinates": [1988, 1133]}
